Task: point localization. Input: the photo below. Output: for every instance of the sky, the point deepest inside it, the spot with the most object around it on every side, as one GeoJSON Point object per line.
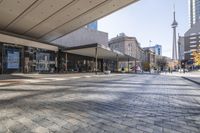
{"type": "Point", "coordinates": [148, 20]}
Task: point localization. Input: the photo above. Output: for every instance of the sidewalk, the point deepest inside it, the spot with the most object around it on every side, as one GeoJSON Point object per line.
{"type": "Point", "coordinates": [35, 78]}
{"type": "Point", "coordinates": [191, 76]}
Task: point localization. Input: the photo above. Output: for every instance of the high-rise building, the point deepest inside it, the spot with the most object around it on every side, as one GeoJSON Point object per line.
{"type": "Point", "coordinates": [181, 48]}
{"type": "Point", "coordinates": [174, 46]}
{"type": "Point", "coordinates": [157, 49]}
{"type": "Point", "coordinates": [93, 25]}
{"type": "Point", "coordinates": [191, 41]}
{"type": "Point", "coordinates": [194, 11]}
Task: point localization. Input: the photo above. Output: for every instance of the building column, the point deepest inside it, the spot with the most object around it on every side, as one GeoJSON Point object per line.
{"type": "Point", "coordinates": [117, 63]}
{"type": "Point", "coordinates": [60, 61]}
{"type": "Point", "coordinates": [102, 66]}
{"type": "Point", "coordinates": [56, 62]}
{"type": "Point", "coordinates": [96, 62]}
{"type": "Point", "coordinates": [128, 65]}
{"type": "Point", "coordinates": [135, 65]}
{"type": "Point", "coordinates": [66, 62]}
{"type": "Point", "coordinates": [1, 58]}
{"type": "Point", "coordinates": [26, 68]}
{"type": "Point", "coordinates": [22, 58]}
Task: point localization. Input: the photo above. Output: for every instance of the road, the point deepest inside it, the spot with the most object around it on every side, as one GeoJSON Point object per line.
{"type": "Point", "coordinates": [125, 103]}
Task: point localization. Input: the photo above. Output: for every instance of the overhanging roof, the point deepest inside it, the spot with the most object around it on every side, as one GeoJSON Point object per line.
{"type": "Point", "coordinates": [5, 38]}
{"type": "Point", "coordinates": [103, 52]}
{"type": "Point", "coordinates": [47, 20]}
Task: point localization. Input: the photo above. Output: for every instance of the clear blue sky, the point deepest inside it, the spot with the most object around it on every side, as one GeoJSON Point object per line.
{"type": "Point", "coordinates": [148, 20]}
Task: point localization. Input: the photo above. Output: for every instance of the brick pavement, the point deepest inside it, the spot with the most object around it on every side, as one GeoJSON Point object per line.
{"type": "Point", "coordinates": [122, 103]}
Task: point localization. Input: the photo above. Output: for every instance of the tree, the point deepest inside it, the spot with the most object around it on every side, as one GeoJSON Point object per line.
{"type": "Point", "coordinates": [146, 66]}
{"type": "Point", "coordinates": [196, 56]}
{"type": "Point", "coordinates": [161, 63]}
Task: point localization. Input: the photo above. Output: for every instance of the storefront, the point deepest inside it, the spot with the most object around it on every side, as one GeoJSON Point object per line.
{"type": "Point", "coordinates": [19, 55]}
{"type": "Point", "coordinates": [22, 59]}
{"type": "Point", "coordinates": [94, 58]}
{"type": "Point", "coordinates": [39, 60]}
{"type": "Point", "coordinates": [79, 63]}
{"type": "Point", "coordinates": [11, 58]}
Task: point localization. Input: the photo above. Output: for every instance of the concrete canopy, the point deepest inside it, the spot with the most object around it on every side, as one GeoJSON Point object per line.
{"type": "Point", "coordinates": [47, 20]}
{"type": "Point", "coordinates": [103, 52]}
{"type": "Point", "coordinates": [26, 42]}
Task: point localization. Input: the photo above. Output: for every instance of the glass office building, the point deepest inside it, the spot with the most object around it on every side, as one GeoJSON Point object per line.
{"type": "Point", "coordinates": [194, 11]}
{"type": "Point", "coordinates": [93, 25]}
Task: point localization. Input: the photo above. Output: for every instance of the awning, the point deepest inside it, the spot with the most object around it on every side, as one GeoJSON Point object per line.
{"type": "Point", "coordinates": [47, 20]}
{"type": "Point", "coordinates": [26, 42]}
{"type": "Point", "coordinates": [103, 52]}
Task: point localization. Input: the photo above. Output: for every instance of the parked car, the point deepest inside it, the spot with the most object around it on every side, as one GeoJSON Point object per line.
{"type": "Point", "coordinates": [182, 70]}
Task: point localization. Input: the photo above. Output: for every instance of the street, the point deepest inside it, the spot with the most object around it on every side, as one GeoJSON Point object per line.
{"type": "Point", "coordinates": [126, 103]}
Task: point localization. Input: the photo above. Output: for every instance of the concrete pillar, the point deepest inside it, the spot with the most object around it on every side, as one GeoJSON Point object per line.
{"type": "Point", "coordinates": [128, 64]}
{"type": "Point", "coordinates": [117, 63]}
{"type": "Point", "coordinates": [96, 61]}
{"type": "Point", "coordinates": [60, 61]}
{"type": "Point", "coordinates": [66, 62]}
{"type": "Point", "coordinates": [1, 59]}
{"type": "Point", "coordinates": [22, 59]}
{"type": "Point", "coordinates": [135, 65]}
{"type": "Point", "coordinates": [26, 59]}
{"type": "Point", "coordinates": [102, 66]}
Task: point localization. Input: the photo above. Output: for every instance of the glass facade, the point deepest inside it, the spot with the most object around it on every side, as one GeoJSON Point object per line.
{"type": "Point", "coordinates": [93, 25]}
{"type": "Point", "coordinates": [11, 58]}
{"type": "Point", "coordinates": [22, 59]}
{"type": "Point", "coordinates": [39, 60]}
{"type": "Point", "coordinates": [77, 63]}
{"type": "Point", "coordinates": [194, 11]}
{"type": "Point", "coordinates": [17, 59]}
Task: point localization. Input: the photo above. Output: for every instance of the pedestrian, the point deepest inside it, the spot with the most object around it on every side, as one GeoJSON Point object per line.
{"type": "Point", "coordinates": [169, 70]}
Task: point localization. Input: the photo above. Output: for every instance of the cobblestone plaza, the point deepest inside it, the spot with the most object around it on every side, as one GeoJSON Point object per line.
{"type": "Point", "coordinates": [117, 103]}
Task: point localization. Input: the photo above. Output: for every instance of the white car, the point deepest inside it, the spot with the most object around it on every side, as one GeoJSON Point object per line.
{"type": "Point", "coordinates": [182, 70]}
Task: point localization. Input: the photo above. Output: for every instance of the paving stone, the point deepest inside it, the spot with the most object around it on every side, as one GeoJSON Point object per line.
{"type": "Point", "coordinates": [40, 130]}
{"type": "Point", "coordinates": [3, 128]}
{"type": "Point", "coordinates": [113, 104]}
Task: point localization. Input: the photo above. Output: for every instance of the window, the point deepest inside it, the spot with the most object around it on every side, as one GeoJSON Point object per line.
{"type": "Point", "coordinates": [192, 34]}
{"type": "Point", "coordinates": [192, 50]}
{"type": "Point", "coordinates": [193, 37]}
{"type": "Point", "coordinates": [192, 46]}
{"type": "Point", "coordinates": [191, 42]}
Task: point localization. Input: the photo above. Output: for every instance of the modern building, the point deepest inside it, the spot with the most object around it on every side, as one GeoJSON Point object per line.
{"type": "Point", "coordinates": [93, 25]}
{"type": "Point", "coordinates": [157, 49]}
{"type": "Point", "coordinates": [23, 55]}
{"type": "Point", "coordinates": [129, 46]}
{"type": "Point", "coordinates": [82, 37]}
{"type": "Point", "coordinates": [192, 42]}
{"type": "Point", "coordinates": [181, 48]}
{"type": "Point", "coordinates": [28, 28]}
{"type": "Point", "coordinates": [77, 61]}
{"type": "Point", "coordinates": [80, 51]}
{"type": "Point", "coordinates": [194, 11]}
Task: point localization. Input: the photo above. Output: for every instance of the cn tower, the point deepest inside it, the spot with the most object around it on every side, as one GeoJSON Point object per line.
{"type": "Point", "coordinates": [174, 46]}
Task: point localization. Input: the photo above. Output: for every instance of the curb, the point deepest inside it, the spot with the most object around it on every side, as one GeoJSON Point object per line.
{"type": "Point", "coordinates": [196, 82]}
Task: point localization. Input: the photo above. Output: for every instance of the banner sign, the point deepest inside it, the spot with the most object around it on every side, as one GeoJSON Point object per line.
{"type": "Point", "coordinates": [13, 59]}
